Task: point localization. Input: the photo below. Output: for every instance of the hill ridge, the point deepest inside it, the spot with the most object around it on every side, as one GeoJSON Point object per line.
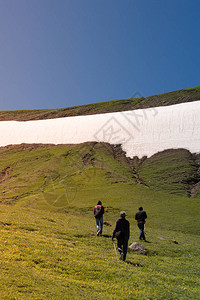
{"type": "Point", "coordinates": [170, 98]}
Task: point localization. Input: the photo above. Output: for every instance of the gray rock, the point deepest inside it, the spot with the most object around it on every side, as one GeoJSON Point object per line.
{"type": "Point", "coordinates": [161, 238]}
{"type": "Point", "coordinates": [139, 248]}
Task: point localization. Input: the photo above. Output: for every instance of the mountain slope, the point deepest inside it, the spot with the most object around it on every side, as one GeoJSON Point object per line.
{"type": "Point", "coordinates": [173, 171]}
{"type": "Point", "coordinates": [49, 248]}
{"type": "Point", "coordinates": [49, 170]}
{"type": "Point", "coordinates": [59, 174]}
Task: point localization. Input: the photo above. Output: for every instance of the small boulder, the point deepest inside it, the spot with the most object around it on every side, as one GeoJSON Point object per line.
{"type": "Point", "coordinates": [139, 248]}
{"type": "Point", "coordinates": [161, 238]}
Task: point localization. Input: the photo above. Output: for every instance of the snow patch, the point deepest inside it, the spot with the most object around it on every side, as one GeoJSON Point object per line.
{"type": "Point", "coordinates": [140, 132]}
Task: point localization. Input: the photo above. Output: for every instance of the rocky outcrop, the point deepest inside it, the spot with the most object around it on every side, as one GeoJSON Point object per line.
{"type": "Point", "coordinates": [139, 248]}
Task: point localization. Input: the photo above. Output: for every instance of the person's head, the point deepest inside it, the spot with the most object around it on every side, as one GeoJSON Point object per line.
{"type": "Point", "coordinates": [99, 203]}
{"type": "Point", "coordinates": [140, 208]}
{"type": "Point", "coordinates": [122, 214]}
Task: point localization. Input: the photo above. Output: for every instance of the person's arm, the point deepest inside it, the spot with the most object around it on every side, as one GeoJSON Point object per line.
{"type": "Point", "coordinates": [128, 230]}
{"type": "Point", "coordinates": [115, 230]}
{"type": "Point", "coordinates": [102, 209]}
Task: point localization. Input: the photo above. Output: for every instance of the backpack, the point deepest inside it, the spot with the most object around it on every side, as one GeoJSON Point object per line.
{"type": "Point", "coordinates": [97, 211]}
{"type": "Point", "coordinates": [119, 235]}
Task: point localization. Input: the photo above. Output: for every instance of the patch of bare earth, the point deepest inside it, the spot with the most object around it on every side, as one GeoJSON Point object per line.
{"type": "Point", "coordinates": [4, 174]}
{"type": "Point", "coordinates": [195, 189]}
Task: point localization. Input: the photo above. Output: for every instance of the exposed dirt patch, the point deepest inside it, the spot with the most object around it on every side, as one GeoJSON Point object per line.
{"type": "Point", "coordinates": [195, 188]}
{"type": "Point", "coordinates": [135, 163]}
{"type": "Point", "coordinates": [120, 155]}
{"type": "Point", "coordinates": [88, 158]}
{"type": "Point", "coordinates": [4, 174]}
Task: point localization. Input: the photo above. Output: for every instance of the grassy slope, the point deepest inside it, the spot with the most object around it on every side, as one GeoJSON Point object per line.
{"type": "Point", "coordinates": [180, 96]}
{"type": "Point", "coordinates": [49, 249]}
{"type": "Point", "coordinates": [174, 171]}
{"type": "Point", "coordinates": [32, 169]}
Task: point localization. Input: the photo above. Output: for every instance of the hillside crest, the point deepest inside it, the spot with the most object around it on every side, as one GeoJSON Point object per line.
{"type": "Point", "coordinates": [170, 98]}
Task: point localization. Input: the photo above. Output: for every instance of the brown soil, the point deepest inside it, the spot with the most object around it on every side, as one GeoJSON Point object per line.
{"type": "Point", "coordinates": [195, 188]}
{"type": "Point", "coordinates": [4, 174]}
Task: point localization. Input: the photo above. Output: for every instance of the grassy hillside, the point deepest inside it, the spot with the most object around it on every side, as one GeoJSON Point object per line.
{"type": "Point", "coordinates": [27, 170]}
{"type": "Point", "coordinates": [173, 171]}
{"type": "Point", "coordinates": [55, 254]}
{"type": "Point", "coordinates": [180, 96]}
{"type": "Point", "coordinates": [49, 247]}
{"type": "Point", "coordinates": [34, 169]}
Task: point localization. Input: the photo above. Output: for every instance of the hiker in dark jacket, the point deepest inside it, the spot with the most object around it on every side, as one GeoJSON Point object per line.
{"type": "Point", "coordinates": [140, 217]}
{"type": "Point", "coordinates": [122, 232]}
{"type": "Point", "coordinates": [98, 213]}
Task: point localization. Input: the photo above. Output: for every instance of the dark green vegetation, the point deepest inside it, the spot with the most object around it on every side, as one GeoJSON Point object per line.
{"type": "Point", "coordinates": [173, 171]}
{"type": "Point", "coordinates": [49, 247]}
{"type": "Point", "coordinates": [180, 96]}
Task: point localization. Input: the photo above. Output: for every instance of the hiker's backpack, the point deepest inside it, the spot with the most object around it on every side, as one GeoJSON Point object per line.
{"type": "Point", "coordinates": [119, 235]}
{"type": "Point", "coordinates": [97, 211]}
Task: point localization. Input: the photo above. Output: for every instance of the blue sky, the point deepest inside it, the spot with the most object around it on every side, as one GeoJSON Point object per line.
{"type": "Point", "coordinates": [64, 53]}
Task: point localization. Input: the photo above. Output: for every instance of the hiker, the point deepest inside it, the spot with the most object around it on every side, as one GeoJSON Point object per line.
{"type": "Point", "coordinates": [122, 232]}
{"type": "Point", "coordinates": [98, 213]}
{"type": "Point", "coordinates": [140, 217]}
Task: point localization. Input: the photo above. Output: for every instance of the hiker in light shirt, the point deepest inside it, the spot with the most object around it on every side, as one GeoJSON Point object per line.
{"type": "Point", "coordinates": [98, 213]}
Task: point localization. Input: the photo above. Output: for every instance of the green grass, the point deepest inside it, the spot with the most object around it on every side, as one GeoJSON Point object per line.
{"type": "Point", "coordinates": [35, 169]}
{"type": "Point", "coordinates": [48, 243]}
{"type": "Point", "coordinates": [173, 171]}
{"type": "Point", "coordinates": [54, 254]}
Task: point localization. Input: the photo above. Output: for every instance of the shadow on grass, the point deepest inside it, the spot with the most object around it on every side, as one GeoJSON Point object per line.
{"type": "Point", "coordinates": [107, 236]}
{"type": "Point", "coordinates": [134, 264]}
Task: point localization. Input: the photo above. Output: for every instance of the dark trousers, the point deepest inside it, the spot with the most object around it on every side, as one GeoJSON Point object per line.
{"type": "Point", "coordinates": [141, 227]}
{"type": "Point", "coordinates": [123, 244]}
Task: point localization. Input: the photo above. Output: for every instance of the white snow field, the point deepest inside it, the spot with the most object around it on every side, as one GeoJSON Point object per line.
{"type": "Point", "coordinates": [141, 132]}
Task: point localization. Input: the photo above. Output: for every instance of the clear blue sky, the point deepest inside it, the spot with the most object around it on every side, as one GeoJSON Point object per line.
{"type": "Point", "coordinates": [60, 53]}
